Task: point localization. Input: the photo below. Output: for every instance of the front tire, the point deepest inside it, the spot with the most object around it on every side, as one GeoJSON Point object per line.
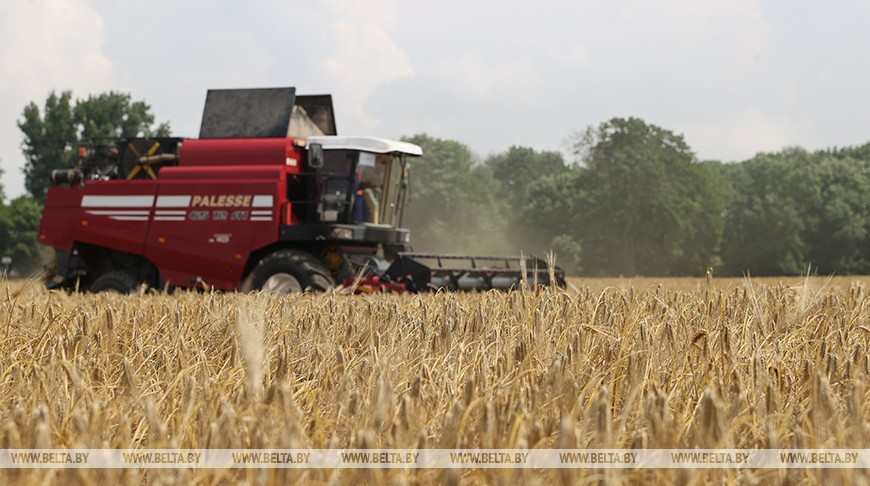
{"type": "Point", "coordinates": [288, 271]}
{"type": "Point", "coordinates": [118, 281]}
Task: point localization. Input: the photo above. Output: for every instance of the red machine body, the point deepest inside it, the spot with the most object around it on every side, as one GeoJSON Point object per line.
{"type": "Point", "coordinates": [269, 197]}
{"type": "Point", "coordinates": [198, 222]}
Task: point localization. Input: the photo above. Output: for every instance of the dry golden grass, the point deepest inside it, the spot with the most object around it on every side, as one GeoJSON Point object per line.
{"type": "Point", "coordinates": [694, 283]}
{"type": "Point", "coordinates": [743, 364]}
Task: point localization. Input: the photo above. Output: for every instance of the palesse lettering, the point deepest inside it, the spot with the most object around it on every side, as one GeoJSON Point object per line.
{"type": "Point", "coordinates": [222, 201]}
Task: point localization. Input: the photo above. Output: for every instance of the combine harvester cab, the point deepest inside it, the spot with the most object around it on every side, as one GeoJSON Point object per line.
{"type": "Point", "coordinates": [268, 197]}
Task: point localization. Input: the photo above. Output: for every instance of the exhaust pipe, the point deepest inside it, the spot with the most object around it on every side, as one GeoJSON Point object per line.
{"type": "Point", "coordinates": [66, 177]}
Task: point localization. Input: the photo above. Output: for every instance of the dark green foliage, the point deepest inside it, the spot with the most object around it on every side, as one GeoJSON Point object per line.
{"type": "Point", "coordinates": [838, 216]}
{"type": "Point", "coordinates": [49, 139]}
{"type": "Point", "coordinates": [645, 206]}
{"type": "Point", "coordinates": [519, 167]}
{"type": "Point", "coordinates": [639, 203]}
{"type": "Point", "coordinates": [548, 220]}
{"type": "Point", "coordinates": [453, 205]}
{"type": "Point", "coordinates": [113, 115]}
{"type": "Point", "coordinates": [516, 172]}
{"type": "Point", "coordinates": [19, 222]}
{"type": "Point", "coordinates": [794, 209]}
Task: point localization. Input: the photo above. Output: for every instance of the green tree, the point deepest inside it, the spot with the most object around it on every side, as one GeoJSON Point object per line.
{"type": "Point", "coordinates": [792, 209]}
{"type": "Point", "coordinates": [547, 220]}
{"type": "Point", "coordinates": [51, 135]}
{"type": "Point", "coordinates": [764, 220]}
{"type": "Point", "coordinates": [453, 205]}
{"type": "Point", "coordinates": [645, 205]}
{"type": "Point", "coordinates": [518, 167]}
{"type": "Point", "coordinates": [19, 223]}
{"type": "Point", "coordinates": [837, 216]}
{"type": "Point", "coordinates": [48, 141]}
{"type": "Point", "coordinates": [112, 115]}
{"type": "Point", "coordinates": [515, 171]}
{"type": "Point", "coordinates": [859, 153]}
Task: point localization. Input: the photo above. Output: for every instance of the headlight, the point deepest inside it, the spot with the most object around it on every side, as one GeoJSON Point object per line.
{"type": "Point", "coordinates": [406, 237]}
{"type": "Point", "coordinates": [342, 233]}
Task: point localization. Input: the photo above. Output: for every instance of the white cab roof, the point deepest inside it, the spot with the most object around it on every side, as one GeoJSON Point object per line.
{"type": "Point", "coordinates": [366, 144]}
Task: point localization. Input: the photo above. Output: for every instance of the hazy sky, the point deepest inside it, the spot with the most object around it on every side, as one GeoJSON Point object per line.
{"type": "Point", "coordinates": [735, 77]}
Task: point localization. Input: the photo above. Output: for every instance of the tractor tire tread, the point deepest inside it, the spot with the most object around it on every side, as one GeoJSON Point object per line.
{"type": "Point", "coordinates": [117, 280]}
{"type": "Point", "coordinates": [312, 275]}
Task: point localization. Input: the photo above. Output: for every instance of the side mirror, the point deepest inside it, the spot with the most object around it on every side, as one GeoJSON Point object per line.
{"type": "Point", "coordinates": [315, 155]}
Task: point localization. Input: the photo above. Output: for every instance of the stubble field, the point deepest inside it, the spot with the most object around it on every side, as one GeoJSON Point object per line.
{"type": "Point", "coordinates": [686, 363]}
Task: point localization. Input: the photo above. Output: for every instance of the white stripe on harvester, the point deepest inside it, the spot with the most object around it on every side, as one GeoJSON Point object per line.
{"type": "Point", "coordinates": [262, 201]}
{"type": "Point", "coordinates": [169, 213]}
{"type": "Point", "coordinates": [129, 218]}
{"type": "Point", "coordinates": [173, 201]}
{"type": "Point", "coordinates": [92, 201]}
{"type": "Point", "coordinates": [118, 212]}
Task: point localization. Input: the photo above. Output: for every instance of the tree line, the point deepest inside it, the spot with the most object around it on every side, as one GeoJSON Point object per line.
{"type": "Point", "coordinates": [632, 199]}
{"type": "Point", "coordinates": [635, 200]}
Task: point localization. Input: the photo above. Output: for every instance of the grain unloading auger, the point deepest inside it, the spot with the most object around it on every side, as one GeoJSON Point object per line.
{"type": "Point", "coordinates": [267, 198]}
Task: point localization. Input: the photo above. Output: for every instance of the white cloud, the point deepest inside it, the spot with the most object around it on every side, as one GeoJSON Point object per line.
{"type": "Point", "coordinates": [472, 76]}
{"type": "Point", "coordinates": [534, 75]}
{"type": "Point", "coordinates": [365, 55]}
{"type": "Point", "coordinates": [45, 45]}
{"type": "Point", "coordinates": [749, 132]}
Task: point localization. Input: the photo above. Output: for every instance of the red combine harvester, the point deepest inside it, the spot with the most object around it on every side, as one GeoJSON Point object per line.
{"type": "Point", "coordinates": [267, 198]}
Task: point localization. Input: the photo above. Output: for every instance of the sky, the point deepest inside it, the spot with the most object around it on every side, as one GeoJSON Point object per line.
{"type": "Point", "coordinates": [734, 77]}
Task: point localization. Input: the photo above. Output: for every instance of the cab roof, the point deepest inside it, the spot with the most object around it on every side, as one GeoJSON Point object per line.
{"type": "Point", "coordinates": [366, 144]}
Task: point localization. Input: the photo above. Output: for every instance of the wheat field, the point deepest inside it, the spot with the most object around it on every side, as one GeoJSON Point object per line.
{"type": "Point", "coordinates": [640, 364]}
